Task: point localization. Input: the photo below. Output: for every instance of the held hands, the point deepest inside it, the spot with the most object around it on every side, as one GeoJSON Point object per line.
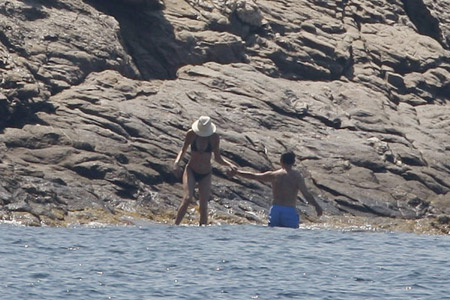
{"type": "Point", "coordinates": [231, 172]}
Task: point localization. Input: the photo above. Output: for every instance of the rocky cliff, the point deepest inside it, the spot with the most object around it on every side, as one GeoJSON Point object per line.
{"type": "Point", "coordinates": [96, 96]}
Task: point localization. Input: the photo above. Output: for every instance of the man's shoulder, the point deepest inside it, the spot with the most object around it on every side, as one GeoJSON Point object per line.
{"type": "Point", "coordinates": [295, 174]}
{"type": "Point", "coordinates": [298, 172]}
{"type": "Point", "coordinates": [278, 172]}
{"type": "Point", "coordinates": [282, 175]}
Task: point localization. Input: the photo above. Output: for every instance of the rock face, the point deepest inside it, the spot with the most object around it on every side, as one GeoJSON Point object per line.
{"type": "Point", "coordinates": [96, 96]}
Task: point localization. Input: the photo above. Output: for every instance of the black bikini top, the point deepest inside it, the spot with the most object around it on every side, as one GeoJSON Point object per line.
{"type": "Point", "coordinates": [195, 148]}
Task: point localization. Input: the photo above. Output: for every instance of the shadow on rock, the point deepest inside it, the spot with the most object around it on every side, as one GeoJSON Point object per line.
{"type": "Point", "coordinates": [145, 34]}
{"type": "Point", "coordinates": [157, 51]}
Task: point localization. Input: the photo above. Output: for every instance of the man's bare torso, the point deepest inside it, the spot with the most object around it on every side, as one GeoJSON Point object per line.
{"type": "Point", "coordinates": [285, 187]}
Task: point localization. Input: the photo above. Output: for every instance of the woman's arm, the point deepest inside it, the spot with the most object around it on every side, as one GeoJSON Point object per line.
{"type": "Point", "coordinates": [217, 156]}
{"type": "Point", "coordinates": [187, 141]}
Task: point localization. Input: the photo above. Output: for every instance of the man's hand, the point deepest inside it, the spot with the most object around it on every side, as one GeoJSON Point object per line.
{"type": "Point", "coordinates": [319, 210]}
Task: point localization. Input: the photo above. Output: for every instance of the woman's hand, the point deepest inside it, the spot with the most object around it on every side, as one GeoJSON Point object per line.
{"type": "Point", "coordinates": [177, 170]}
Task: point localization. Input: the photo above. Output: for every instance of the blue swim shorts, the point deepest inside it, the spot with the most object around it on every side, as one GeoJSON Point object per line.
{"type": "Point", "coordinates": [283, 216]}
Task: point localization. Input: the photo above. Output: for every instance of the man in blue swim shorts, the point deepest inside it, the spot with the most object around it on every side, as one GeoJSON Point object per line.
{"type": "Point", "coordinates": [286, 183]}
{"type": "Point", "coordinates": [283, 216]}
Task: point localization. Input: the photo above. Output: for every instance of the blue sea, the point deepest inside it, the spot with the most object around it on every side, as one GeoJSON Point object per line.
{"type": "Point", "coordinates": [220, 262]}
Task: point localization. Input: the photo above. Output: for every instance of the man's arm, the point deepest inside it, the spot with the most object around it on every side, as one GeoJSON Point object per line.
{"type": "Point", "coordinates": [308, 196]}
{"type": "Point", "coordinates": [264, 176]}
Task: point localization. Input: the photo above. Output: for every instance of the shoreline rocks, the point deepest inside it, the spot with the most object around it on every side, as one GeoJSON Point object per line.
{"type": "Point", "coordinates": [102, 218]}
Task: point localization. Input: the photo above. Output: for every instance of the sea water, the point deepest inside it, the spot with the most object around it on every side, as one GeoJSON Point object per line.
{"type": "Point", "coordinates": [220, 262]}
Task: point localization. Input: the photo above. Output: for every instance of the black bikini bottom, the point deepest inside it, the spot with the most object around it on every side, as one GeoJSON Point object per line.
{"type": "Point", "coordinates": [199, 176]}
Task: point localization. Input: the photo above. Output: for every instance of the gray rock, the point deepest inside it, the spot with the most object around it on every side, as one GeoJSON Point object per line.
{"type": "Point", "coordinates": [95, 98]}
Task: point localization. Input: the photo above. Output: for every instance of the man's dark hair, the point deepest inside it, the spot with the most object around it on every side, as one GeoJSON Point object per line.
{"type": "Point", "coordinates": [288, 158]}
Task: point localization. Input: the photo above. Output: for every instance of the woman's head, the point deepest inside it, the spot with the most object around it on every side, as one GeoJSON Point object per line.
{"type": "Point", "coordinates": [204, 126]}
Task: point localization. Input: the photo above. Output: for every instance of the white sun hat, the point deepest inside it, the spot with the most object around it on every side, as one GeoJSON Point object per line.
{"type": "Point", "coordinates": [203, 126]}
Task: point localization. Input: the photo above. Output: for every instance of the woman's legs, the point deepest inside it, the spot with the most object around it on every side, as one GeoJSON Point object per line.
{"type": "Point", "coordinates": [204, 191]}
{"type": "Point", "coordinates": [188, 189]}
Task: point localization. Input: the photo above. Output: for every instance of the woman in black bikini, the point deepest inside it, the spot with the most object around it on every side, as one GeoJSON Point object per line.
{"type": "Point", "coordinates": [204, 141]}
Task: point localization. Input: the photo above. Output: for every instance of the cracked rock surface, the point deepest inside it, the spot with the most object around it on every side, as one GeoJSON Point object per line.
{"type": "Point", "coordinates": [95, 98]}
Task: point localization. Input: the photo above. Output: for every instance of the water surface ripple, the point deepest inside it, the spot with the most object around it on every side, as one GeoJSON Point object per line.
{"type": "Point", "coordinates": [220, 262]}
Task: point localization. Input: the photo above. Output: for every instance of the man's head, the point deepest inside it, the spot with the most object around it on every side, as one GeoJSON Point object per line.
{"type": "Point", "coordinates": [288, 158]}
